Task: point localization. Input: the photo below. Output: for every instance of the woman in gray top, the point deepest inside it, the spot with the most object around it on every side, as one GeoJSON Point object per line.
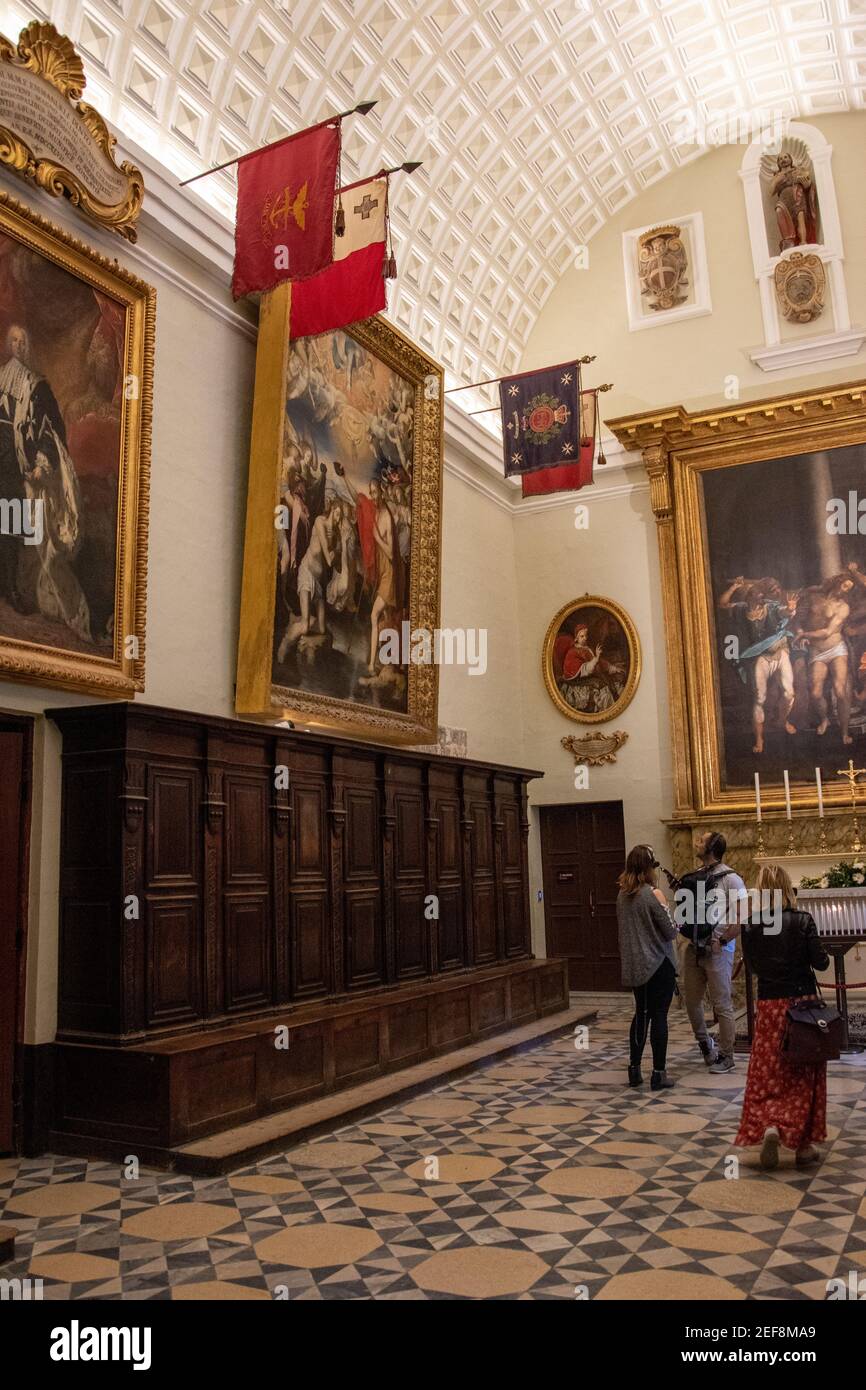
{"type": "Point", "coordinates": [646, 951]}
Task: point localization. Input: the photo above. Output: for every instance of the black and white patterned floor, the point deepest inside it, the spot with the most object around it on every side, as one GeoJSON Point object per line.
{"type": "Point", "coordinates": [542, 1176]}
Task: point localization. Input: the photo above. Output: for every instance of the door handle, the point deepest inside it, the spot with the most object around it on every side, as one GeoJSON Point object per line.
{"type": "Point", "coordinates": [591, 903]}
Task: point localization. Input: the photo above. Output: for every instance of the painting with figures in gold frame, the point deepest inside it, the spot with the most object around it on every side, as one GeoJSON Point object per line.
{"type": "Point", "coordinates": [764, 583]}
{"type": "Point", "coordinates": [342, 550]}
{"type": "Point", "coordinates": [76, 374]}
{"type": "Point", "coordinates": [591, 659]}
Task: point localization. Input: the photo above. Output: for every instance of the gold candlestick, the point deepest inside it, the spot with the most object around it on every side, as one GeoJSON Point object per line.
{"type": "Point", "coordinates": [851, 773]}
{"type": "Point", "coordinates": [760, 850]}
{"type": "Point", "coordinates": [790, 851]}
{"type": "Point", "coordinates": [822, 842]}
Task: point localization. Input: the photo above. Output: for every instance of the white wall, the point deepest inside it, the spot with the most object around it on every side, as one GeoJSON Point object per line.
{"type": "Point", "coordinates": [614, 557]}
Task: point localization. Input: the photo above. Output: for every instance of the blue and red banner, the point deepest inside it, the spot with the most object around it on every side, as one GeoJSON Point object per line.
{"type": "Point", "coordinates": [540, 418]}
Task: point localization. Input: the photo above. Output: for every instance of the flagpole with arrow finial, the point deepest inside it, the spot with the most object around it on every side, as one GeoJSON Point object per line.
{"type": "Point", "coordinates": [362, 109]}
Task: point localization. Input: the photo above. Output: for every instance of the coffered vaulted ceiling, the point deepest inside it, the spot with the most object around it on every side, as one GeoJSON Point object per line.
{"type": "Point", "coordinates": [536, 119]}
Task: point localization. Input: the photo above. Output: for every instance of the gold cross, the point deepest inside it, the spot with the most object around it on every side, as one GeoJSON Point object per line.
{"type": "Point", "coordinates": [851, 773]}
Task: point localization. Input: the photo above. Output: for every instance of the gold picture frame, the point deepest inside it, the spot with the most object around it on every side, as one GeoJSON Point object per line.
{"type": "Point", "coordinates": [610, 688]}
{"type": "Point", "coordinates": [678, 448]}
{"type": "Point", "coordinates": [112, 667]}
{"type": "Point", "coordinates": [258, 693]}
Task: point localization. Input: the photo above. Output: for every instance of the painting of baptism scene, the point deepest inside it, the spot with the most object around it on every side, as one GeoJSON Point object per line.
{"type": "Point", "coordinates": [788, 576]}
{"type": "Point", "coordinates": [344, 549]}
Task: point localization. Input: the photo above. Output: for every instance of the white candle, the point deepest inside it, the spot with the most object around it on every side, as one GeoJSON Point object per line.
{"type": "Point", "coordinates": [757, 796]}
{"type": "Point", "coordinates": [787, 794]}
{"type": "Point", "coordinates": [820, 793]}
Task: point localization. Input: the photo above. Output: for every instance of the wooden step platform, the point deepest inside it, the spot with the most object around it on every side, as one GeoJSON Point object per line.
{"type": "Point", "coordinates": [234, 1148]}
{"type": "Point", "coordinates": [158, 1097]}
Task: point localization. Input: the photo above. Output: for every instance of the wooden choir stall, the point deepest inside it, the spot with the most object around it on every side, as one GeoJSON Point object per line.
{"type": "Point", "coordinates": [221, 880]}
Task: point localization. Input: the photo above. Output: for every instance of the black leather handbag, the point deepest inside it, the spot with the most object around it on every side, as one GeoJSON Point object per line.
{"type": "Point", "coordinates": [813, 1033]}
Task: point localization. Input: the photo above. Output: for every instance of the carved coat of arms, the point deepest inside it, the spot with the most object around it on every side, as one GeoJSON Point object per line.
{"type": "Point", "coordinates": [800, 285]}
{"type": "Point", "coordinates": [662, 266]}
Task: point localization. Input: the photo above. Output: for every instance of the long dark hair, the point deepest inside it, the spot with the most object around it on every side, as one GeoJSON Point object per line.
{"type": "Point", "coordinates": [640, 868]}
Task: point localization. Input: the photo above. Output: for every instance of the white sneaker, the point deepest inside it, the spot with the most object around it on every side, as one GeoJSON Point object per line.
{"type": "Point", "coordinates": [770, 1149]}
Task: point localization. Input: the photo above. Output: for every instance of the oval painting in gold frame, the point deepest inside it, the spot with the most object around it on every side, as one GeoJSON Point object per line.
{"type": "Point", "coordinates": [591, 659]}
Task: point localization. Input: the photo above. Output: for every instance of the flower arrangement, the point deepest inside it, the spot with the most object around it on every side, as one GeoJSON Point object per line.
{"type": "Point", "coordinates": [841, 875]}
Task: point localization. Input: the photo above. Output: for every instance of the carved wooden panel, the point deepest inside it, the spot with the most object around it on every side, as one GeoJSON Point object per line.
{"type": "Point", "coordinates": [484, 919]}
{"type": "Point", "coordinates": [515, 922]}
{"type": "Point", "coordinates": [89, 830]}
{"type": "Point", "coordinates": [364, 963]}
{"type": "Point", "coordinates": [408, 1030]}
{"type": "Point", "coordinates": [174, 965]}
{"type": "Point", "coordinates": [449, 878]}
{"type": "Point", "coordinates": [450, 925]}
{"type": "Point", "coordinates": [452, 1018]}
{"type": "Point", "coordinates": [309, 842]}
{"type": "Point", "coordinates": [511, 853]}
{"type": "Point", "coordinates": [413, 930]}
{"type": "Point", "coordinates": [248, 978]}
{"type": "Point", "coordinates": [247, 831]}
{"type": "Point", "coordinates": [357, 1043]}
{"type": "Point", "coordinates": [89, 963]}
{"type": "Point", "coordinates": [310, 923]}
{"type": "Point", "coordinates": [362, 833]}
{"type": "Point", "coordinates": [288, 1074]}
{"type": "Point", "coordinates": [173, 824]}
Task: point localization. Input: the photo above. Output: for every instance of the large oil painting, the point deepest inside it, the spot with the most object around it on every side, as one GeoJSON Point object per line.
{"type": "Point", "coordinates": [761, 521]}
{"type": "Point", "coordinates": [356, 538]}
{"type": "Point", "coordinates": [76, 342]}
{"type": "Point", "coordinates": [787, 575]}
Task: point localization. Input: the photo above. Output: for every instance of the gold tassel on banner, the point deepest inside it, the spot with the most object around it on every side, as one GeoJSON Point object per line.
{"type": "Point", "coordinates": [389, 269]}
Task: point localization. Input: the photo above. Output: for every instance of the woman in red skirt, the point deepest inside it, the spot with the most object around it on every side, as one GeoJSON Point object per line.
{"type": "Point", "coordinates": [785, 1103]}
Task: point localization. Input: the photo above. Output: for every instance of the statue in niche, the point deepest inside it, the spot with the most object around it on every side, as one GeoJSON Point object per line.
{"type": "Point", "coordinates": [795, 200]}
{"type": "Point", "coordinates": [662, 266]}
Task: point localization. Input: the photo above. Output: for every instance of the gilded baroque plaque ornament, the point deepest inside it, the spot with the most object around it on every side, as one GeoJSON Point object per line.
{"type": "Point", "coordinates": [52, 138]}
{"type": "Point", "coordinates": [662, 266]}
{"type": "Point", "coordinates": [800, 285]}
{"type": "Point", "coordinates": [595, 749]}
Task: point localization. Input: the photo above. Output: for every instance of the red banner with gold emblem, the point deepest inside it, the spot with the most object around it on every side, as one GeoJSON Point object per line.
{"type": "Point", "coordinates": [285, 216]}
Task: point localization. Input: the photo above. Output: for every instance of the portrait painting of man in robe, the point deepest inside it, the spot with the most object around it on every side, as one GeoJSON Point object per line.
{"type": "Point", "coordinates": [70, 420]}
{"type": "Point", "coordinates": [591, 660]}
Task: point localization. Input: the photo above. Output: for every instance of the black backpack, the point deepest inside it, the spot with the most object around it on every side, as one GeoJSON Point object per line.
{"type": "Point", "coordinates": [699, 933]}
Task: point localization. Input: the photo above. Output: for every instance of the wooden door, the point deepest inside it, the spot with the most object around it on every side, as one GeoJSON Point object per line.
{"type": "Point", "coordinates": [583, 852]}
{"type": "Point", "coordinates": [15, 756]}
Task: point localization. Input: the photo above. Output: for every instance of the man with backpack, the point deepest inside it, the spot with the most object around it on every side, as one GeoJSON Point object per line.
{"type": "Point", "coordinates": [708, 912]}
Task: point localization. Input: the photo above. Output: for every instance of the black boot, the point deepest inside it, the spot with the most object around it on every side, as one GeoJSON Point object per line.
{"type": "Point", "coordinates": [660, 1081]}
{"type": "Point", "coordinates": [634, 1076]}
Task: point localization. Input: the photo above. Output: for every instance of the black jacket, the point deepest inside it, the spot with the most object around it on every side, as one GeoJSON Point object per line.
{"type": "Point", "coordinates": [783, 961]}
